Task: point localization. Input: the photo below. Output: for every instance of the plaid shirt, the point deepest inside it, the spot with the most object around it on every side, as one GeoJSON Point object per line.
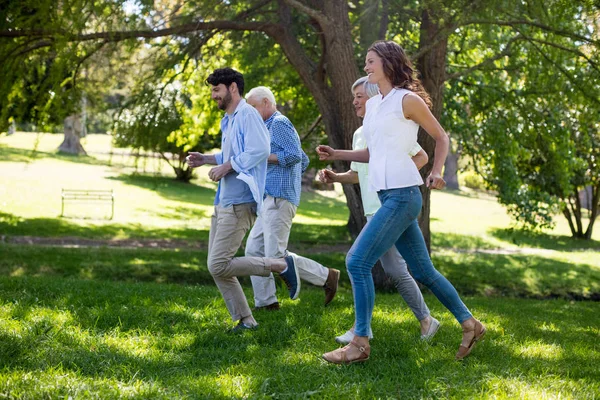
{"type": "Point", "coordinates": [284, 179]}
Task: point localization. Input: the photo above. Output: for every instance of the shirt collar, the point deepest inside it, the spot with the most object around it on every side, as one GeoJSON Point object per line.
{"type": "Point", "coordinates": [276, 113]}
{"type": "Point", "coordinates": [390, 94]}
{"type": "Point", "coordinates": [238, 108]}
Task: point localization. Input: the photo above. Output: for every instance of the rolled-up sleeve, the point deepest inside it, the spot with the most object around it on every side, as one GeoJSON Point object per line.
{"type": "Point", "coordinates": [257, 143]}
{"type": "Point", "coordinates": [219, 158]}
{"type": "Point", "coordinates": [305, 161]}
{"type": "Point", "coordinates": [284, 136]}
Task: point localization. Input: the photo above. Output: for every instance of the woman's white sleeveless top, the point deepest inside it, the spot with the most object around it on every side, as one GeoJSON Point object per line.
{"type": "Point", "coordinates": [390, 137]}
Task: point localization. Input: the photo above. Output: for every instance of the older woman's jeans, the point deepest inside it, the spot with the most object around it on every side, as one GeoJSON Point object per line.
{"type": "Point", "coordinates": [396, 223]}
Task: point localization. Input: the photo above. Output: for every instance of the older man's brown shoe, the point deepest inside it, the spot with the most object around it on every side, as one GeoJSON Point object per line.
{"type": "Point", "coordinates": [331, 285]}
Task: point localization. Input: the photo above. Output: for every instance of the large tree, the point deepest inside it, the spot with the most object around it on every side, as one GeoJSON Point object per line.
{"type": "Point", "coordinates": [316, 37]}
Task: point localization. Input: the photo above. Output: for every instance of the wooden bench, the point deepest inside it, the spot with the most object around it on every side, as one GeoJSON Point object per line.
{"type": "Point", "coordinates": [88, 196]}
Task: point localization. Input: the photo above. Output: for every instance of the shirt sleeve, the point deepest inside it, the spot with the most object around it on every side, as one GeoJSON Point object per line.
{"type": "Point", "coordinates": [415, 149]}
{"type": "Point", "coordinates": [256, 142]}
{"type": "Point", "coordinates": [219, 158]}
{"type": "Point", "coordinates": [287, 142]}
{"type": "Point", "coordinates": [305, 161]}
{"type": "Point", "coordinates": [354, 164]}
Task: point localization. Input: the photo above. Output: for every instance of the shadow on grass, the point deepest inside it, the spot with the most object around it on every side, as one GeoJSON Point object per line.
{"type": "Point", "coordinates": [106, 264]}
{"type": "Point", "coordinates": [13, 225]}
{"type": "Point", "coordinates": [12, 154]}
{"type": "Point", "coordinates": [115, 339]}
{"type": "Point", "coordinates": [544, 240]}
{"type": "Point", "coordinates": [526, 276]}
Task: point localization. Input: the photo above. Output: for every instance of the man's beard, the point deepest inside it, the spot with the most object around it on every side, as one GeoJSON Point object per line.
{"type": "Point", "coordinates": [225, 102]}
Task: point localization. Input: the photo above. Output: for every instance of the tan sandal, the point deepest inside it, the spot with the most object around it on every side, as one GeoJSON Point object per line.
{"type": "Point", "coordinates": [339, 356]}
{"type": "Point", "coordinates": [480, 331]}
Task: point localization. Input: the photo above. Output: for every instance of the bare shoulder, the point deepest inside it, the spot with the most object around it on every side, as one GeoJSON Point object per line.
{"type": "Point", "coordinates": [413, 104]}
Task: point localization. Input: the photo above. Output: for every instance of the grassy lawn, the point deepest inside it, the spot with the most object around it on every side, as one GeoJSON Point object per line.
{"type": "Point", "coordinates": [109, 322]}
{"type": "Point", "coordinates": [65, 337]}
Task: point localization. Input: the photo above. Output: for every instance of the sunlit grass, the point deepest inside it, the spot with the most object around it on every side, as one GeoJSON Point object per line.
{"type": "Point", "coordinates": [116, 339]}
{"type": "Point", "coordinates": [148, 323]}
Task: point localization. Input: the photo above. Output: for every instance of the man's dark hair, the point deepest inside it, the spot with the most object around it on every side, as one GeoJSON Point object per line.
{"type": "Point", "coordinates": [227, 76]}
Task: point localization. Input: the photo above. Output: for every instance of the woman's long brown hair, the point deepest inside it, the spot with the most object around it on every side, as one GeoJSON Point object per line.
{"type": "Point", "coordinates": [398, 68]}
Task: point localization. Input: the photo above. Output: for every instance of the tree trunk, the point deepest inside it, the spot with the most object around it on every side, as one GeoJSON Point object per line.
{"type": "Point", "coordinates": [432, 66]}
{"type": "Point", "coordinates": [594, 208]}
{"type": "Point", "coordinates": [83, 116]}
{"type": "Point", "coordinates": [71, 143]}
{"type": "Point", "coordinates": [451, 169]}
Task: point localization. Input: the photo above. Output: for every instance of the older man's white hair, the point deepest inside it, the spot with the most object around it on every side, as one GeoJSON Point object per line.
{"type": "Point", "coordinates": [262, 92]}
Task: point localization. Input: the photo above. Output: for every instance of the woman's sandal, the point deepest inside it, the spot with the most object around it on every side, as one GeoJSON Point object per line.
{"type": "Point", "coordinates": [339, 356]}
{"type": "Point", "coordinates": [480, 331]}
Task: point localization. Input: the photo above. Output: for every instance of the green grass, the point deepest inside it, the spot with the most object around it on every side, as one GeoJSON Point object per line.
{"type": "Point", "coordinates": [148, 323]}
{"type": "Point", "coordinates": [65, 337]}
{"type": "Point", "coordinates": [473, 274]}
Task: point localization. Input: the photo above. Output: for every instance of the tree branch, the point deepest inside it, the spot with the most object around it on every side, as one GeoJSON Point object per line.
{"type": "Point", "coordinates": [535, 24]}
{"type": "Point", "coordinates": [574, 81]}
{"type": "Point", "coordinates": [502, 54]}
{"type": "Point", "coordinates": [561, 47]}
{"type": "Point", "coordinates": [116, 36]}
{"type": "Point", "coordinates": [312, 127]}
{"type": "Point", "coordinates": [311, 12]}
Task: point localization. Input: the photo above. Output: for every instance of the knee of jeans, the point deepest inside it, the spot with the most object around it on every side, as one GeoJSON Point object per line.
{"type": "Point", "coordinates": [354, 264]}
{"type": "Point", "coordinates": [217, 268]}
{"type": "Point", "coordinates": [422, 277]}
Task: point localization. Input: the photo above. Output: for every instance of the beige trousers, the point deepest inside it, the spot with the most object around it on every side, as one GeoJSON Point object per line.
{"type": "Point", "coordinates": [269, 238]}
{"type": "Point", "coordinates": [227, 230]}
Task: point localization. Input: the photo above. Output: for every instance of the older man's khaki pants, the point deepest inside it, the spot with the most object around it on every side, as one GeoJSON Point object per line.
{"type": "Point", "coordinates": [269, 238]}
{"type": "Point", "coordinates": [227, 230]}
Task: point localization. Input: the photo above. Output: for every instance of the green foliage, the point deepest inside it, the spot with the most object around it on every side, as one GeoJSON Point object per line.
{"type": "Point", "coordinates": [472, 180]}
{"type": "Point", "coordinates": [525, 118]}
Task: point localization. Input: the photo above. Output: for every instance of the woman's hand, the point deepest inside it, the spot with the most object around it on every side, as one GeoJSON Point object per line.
{"type": "Point", "coordinates": [435, 181]}
{"type": "Point", "coordinates": [327, 176]}
{"type": "Point", "coordinates": [325, 153]}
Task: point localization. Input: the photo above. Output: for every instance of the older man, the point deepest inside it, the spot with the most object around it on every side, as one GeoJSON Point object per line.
{"type": "Point", "coordinates": [241, 172]}
{"type": "Point", "coordinates": [271, 231]}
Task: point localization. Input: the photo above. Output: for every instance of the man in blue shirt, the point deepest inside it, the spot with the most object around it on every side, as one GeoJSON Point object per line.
{"type": "Point", "coordinates": [241, 172]}
{"type": "Point", "coordinates": [271, 231]}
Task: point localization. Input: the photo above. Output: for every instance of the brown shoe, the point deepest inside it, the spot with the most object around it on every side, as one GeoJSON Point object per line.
{"type": "Point", "coordinates": [269, 307]}
{"type": "Point", "coordinates": [479, 332]}
{"type": "Point", "coordinates": [340, 356]}
{"type": "Point", "coordinates": [331, 285]}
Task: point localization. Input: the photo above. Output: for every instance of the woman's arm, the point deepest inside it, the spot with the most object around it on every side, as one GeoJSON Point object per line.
{"type": "Point", "coordinates": [330, 154]}
{"type": "Point", "coordinates": [415, 109]}
{"type": "Point", "coordinates": [328, 176]}
{"type": "Point", "coordinates": [420, 159]}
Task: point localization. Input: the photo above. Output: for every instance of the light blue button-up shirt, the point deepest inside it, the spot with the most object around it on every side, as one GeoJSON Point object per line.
{"type": "Point", "coordinates": [246, 144]}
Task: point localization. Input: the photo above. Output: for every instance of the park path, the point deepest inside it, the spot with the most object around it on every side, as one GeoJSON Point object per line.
{"type": "Point", "coordinates": [78, 242]}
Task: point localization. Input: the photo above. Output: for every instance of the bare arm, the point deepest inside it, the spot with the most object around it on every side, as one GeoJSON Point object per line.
{"type": "Point", "coordinates": [328, 176]}
{"type": "Point", "coordinates": [330, 154]}
{"type": "Point", "coordinates": [273, 159]}
{"type": "Point", "coordinates": [420, 159]}
{"type": "Point", "coordinates": [416, 110]}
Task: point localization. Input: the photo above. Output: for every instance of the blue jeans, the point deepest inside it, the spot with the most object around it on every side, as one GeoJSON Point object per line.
{"type": "Point", "coordinates": [395, 223]}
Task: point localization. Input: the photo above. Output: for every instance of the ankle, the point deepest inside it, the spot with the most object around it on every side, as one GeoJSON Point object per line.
{"type": "Point", "coordinates": [249, 320]}
{"type": "Point", "coordinates": [362, 341]}
{"type": "Point", "coordinates": [469, 324]}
